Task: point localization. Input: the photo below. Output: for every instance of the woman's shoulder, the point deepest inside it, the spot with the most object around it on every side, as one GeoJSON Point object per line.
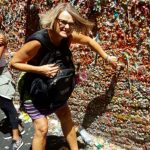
{"type": "Point", "coordinates": [40, 35]}
{"type": "Point", "coordinates": [42, 31]}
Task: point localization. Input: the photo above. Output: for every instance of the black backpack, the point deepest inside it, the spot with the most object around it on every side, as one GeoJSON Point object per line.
{"type": "Point", "coordinates": [46, 91]}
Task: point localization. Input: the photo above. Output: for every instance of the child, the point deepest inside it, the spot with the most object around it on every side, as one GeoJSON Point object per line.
{"type": "Point", "coordinates": [7, 91]}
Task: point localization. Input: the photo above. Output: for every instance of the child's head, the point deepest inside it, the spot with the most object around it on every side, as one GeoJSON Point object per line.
{"type": "Point", "coordinates": [2, 34]}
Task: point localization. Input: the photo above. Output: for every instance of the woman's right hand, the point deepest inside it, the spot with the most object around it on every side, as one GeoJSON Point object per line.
{"type": "Point", "coordinates": [2, 40]}
{"type": "Point", "coordinates": [49, 70]}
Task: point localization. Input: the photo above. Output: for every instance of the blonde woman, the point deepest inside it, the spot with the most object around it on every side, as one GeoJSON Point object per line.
{"type": "Point", "coordinates": [62, 26]}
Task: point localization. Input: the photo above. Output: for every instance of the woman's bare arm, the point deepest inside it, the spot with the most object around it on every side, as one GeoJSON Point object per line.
{"type": "Point", "coordinates": [83, 39]}
{"type": "Point", "coordinates": [26, 53]}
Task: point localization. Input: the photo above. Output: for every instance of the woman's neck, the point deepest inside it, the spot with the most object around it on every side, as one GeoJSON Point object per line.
{"type": "Point", "coordinates": [54, 37]}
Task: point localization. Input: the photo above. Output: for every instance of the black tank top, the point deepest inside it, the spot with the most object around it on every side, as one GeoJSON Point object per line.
{"type": "Point", "coordinates": [49, 53]}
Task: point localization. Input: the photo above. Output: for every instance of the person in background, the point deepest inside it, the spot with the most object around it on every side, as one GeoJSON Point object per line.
{"type": "Point", "coordinates": [7, 91]}
{"type": "Point", "coordinates": [62, 26]}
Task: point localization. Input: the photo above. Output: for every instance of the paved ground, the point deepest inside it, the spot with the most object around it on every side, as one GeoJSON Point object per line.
{"type": "Point", "coordinates": [26, 137]}
{"type": "Point", "coordinates": [55, 140]}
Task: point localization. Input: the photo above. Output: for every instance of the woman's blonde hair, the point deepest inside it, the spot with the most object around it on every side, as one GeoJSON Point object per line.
{"type": "Point", "coordinates": [4, 35]}
{"type": "Point", "coordinates": [81, 25]}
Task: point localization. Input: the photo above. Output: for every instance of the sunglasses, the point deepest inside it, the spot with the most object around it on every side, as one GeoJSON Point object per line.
{"type": "Point", "coordinates": [63, 23]}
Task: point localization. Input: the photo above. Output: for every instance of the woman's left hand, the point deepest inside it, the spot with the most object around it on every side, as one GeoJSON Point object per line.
{"type": "Point", "coordinates": [115, 63]}
{"type": "Point", "coordinates": [112, 60]}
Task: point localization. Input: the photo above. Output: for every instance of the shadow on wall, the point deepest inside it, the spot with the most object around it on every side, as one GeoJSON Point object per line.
{"type": "Point", "coordinates": [99, 104]}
